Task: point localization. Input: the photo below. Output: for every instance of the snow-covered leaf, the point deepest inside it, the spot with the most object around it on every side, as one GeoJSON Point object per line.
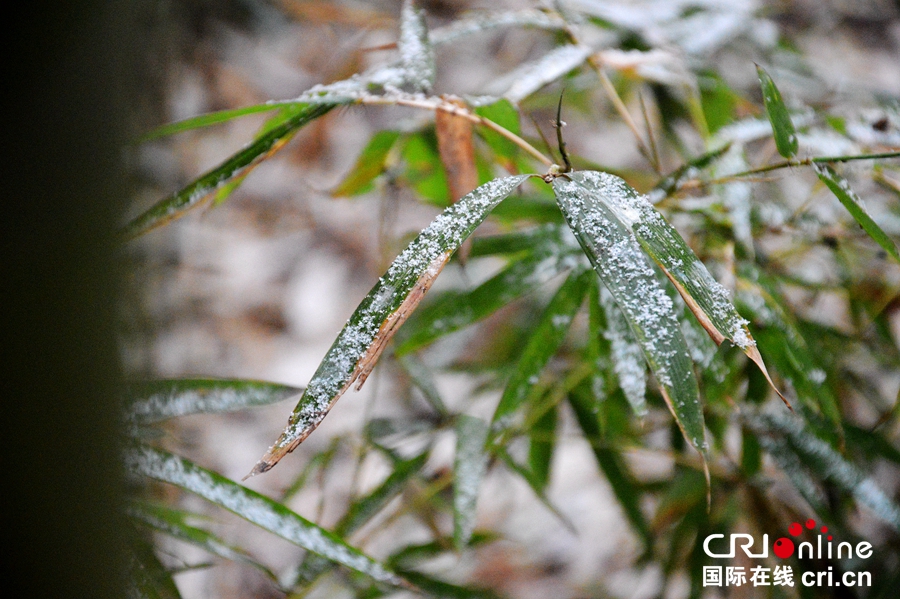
{"type": "Point", "coordinates": [255, 508]}
{"type": "Point", "coordinates": [605, 233]}
{"type": "Point", "coordinates": [416, 53]}
{"type": "Point", "coordinates": [386, 307]}
{"type": "Point", "coordinates": [532, 76]}
{"type": "Point", "coordinates": [469, 467]}
{"type": "Point", "coordinates": [627, 355]}
{"type": "Point", "coordinates": [484, 21]}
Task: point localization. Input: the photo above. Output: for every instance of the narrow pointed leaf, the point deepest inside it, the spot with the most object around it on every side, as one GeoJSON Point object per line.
{"type": "Point", "coordinates": [434, 587]}
{"type": "Point", "coordinates": [175, 524]}
{"type": "Point", "coordinates": [841, 188]}
{"type": "Point", "coordinates": [149, 578]}
{"type": "Point", "coordinates": [370, 164]}
{"type": "Point", "coordinates": [543, 342]}
{"type": "Point", "coordinates": [153, 401]}
{"type": "Point", "coordinates": [783, 128]}
{"type": "Point", "coordinates": [668, 185]}
{"type": "Point", "coordinates": [239, 164]}
{"type": "Point", "coordinates": [504, 114]}
{"type": "Point", "coordinates": [255, 508]}
{"type": "Point", "coordinates": [532, 479]}
{"type": "Point", "coordinates": [483, 21]}
{"type": "Point", "coordinates": [422, 379]}
{"type": "Point", "coordinates": [469, 468]}
{"type": "Point", "coordinates": [457, 150]}
{"type": "Point", "coordinates": [206, 120]}
{"type": "Point", "coordinates": [532, 76]}
{"type": "Point", "coordinates": [617, 258]}
{"type": "Point", "coordinates": [542, 442]}
{"type": "Point", "coordinates": [628, 357]}
{"type": "Point", "coordinates": [386, 307]}
{"type": "Point", "coordinates": [709, 301]}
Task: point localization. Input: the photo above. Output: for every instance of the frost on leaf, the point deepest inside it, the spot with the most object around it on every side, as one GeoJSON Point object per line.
{"type": "Point", "coordinates": [385, 308]}
{"type": "Point", "coordinates": [628, 360]}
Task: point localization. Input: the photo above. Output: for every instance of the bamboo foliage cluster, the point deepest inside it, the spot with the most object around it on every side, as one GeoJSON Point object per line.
{"type": "Point", "coordinates": [653, 312]}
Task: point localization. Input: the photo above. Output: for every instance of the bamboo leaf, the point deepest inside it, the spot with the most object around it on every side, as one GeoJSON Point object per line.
{"type": "Point", "coordinates": [370, 164]}
{"type": "Point", "coordinates": [709, 301]}
{"type": "Point", "coordinates": [532, 478]}
{"type": "Point", "coordinates": [386, 307]}
{"type": "Point", "coordinates": [422, 379]}
{"type": "Point", "coordinates": [416, 53]}
{"type": "Point", "coordinates": [841, 188]}
{"type": "Point", "coordinates": [469, 468]}
{"type": "Point", "coordinates": [175, 524]}
{"type": "Point", "coordinates": [504, 114]}
{"type": "Point", "coordinates": [543, 343]}
{"type": "Point", "coordinates": [627, 354]}
{"type": "Point", "coordinates": [149, 578]}
{"type": "Point", "coordinates": [617, 258]}
{"type": "Point", "coordinates": [484, 21]}
{"type": "Point", "coordinates": [434, 587]}
{"type": "Point", "coordinates": [255, 508]}
{"type": "Point", "coordinates": [177, 204]}
{"type": "Point", "coordinates": [457, 150]}
{"type": "Point", "coordinates": [153, 401]}
{"type": "Point", "coordinates": [532, 76]}
{"type": "Point", "coordinates": [783, 128]}
{"type": "Point", "coordinates": [205, 120]}
{"type": "Point", "coordinates": [542, 441]}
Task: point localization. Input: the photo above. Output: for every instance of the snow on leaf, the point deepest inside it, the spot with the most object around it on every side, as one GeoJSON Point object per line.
{"type": "Point", "coordinates": [532, 76]}
{"type": "Point", "coordinates": [469, 467]}
{"type": "Point", "coordinates": [254, 508]}
{"type": "Point", "coordinates": [480, 21]}
{"type": "Point", "coordinates": [416, 53]}
{"type": "Point", "coordinates": [708, 300]}
{"type": "Point", "coordinates": [385, 308]}
{"type": "Point", "coordinates": [628, 359]}
{"type": "Point", "coordinates": [602, 227]}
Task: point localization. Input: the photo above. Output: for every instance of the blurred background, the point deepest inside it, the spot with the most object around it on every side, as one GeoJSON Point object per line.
{"type": "Point", "coordinates": [259, 286]}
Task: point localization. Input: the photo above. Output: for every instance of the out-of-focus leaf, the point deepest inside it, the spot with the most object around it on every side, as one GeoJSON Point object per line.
{"type": "Point", "coordinates": [504, 114]}
{"type": "Point", "coordinates": [320, 461]}
{"type": "Point", "coordinates": [841, 188]}
{"type": "Point", "coordinates": [827, 464]}
{"type": "Point", "coordinates": [416, 53]}
{"type": "Point", "coordinates": [205, 120]}
{"type": "Point", "coordinates": [455, 310]}
{"type": "Point", "coordinates": [434, 587]}
{"type": "Point", "coordinates": [785, 134]}
{"type": "Point", "coordinates": [153, 401]}
{"type": "Point", "coordinates": [363, 509]}
{"type": "Point", "coordinates": [149, 578]}
{"type": "Point", "coordinates": [709, 301]}
{"type": "Point", "coordinates": [422, 379]}
{"type": "Point", "coordinates": [610, 462]}
{"type": "Point", "coordinates": [370, 164]}
{"type": "Point", "coordinates": [689, 169]}
{"type": "Point", "coordinates": [483, 21]}
{"type": "Point", "coordinates": [541, 445]}
{"type": "Point", "coordinates": [457, 150]}
{"type": "Point", "coordinates": [384, 309]}
{"type": "Point", "coordinates": [528, 207]}
{"type": "Point", "coordinates": [543, 342]}
{"type": "Point", "coordinates": [175, 523]}
{"type": "Point", "coordinates": [239, 164]}
{"type": "Point", "coordinates": [610, 244]}
{"type": "Point", "coordinates": [532, 76]}
{"type": "Point", "coordinates": [469, 468]}
{"type": "Point", "coordinates": [533, 480]}
{"type": "Point", "coordinates": [424, 172]}
{"type": "Point", "coordinates": [627, 355]}
{"type": "Point", "coordinates": [528, 240]}
{"type": "Point", "coordinates": [255, 508]}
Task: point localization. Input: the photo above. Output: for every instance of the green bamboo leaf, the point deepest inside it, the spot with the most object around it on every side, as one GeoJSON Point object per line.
{"type": "Point", "coordinates": [551, 255]}
{"type": "Point", "coordinates": [785, 134]}
{"type": "Point", "coordinates": [525, 241]}
{"type": "Point", "coordinates": [359, 345]}
{"type": "Point", "coordinates": [542, 442]}
{"type": "Point", "coordinates": [205, 120]}
{"type": "Point", "coordinates": [469, 468]}
{"type": "Point", "coordinates": [370, 164]}
{"type": "Point", "coordinates": [424, 171]}
{"type": "Point", "coordinates": [175, 524]}
{"type": "Point", "coordinates": [627, 355]}
{"type": "Point", "coordinates": [504, 114]}
{"type": "Point", "coordinates": [434, 587]}
{"type": "Point", "coordinates": [669, 184]}
{"type": "Point", "coordinates": [255, 508]}
{"type": "Point", "coordinates": [176, 205]}
{"type": "Point", "coordinates": [709, 301]}
{"type": "Point", "coordinates": [422, 379]}
{"type": "Point", "coordinates": [841, 188]}
{"type": "Point", "coordinates": [617, 258]}
{"type": "Point", "coordinates": [611, 464]}
{"type": "Point", "coordinates": [819, 457]}
{"type": "Point", "coordinates": [532, 479]}
{"type": "Point", "coordinates": [543, 342]}
{"type": "Point", "coordinates": [362, 510]}
{"type": "Point", "coordinates": [153, 401]}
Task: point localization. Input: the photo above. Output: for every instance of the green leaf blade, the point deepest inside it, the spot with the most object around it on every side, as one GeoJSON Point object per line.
{"type": "Point", "coordinates": [782, 126]}
{"type": "Point", "coordinates": [255, 508]}
{"type": "Point", "coordinates": [469, 468]}
{"type": "Point", "coordinates": [841, 189]}
{"type": "Point", "coordinates": [370, 164]}
{"type": "Point", "coordinates": [205, 120]}
{"type": "Point", "coordinates": [623, 268]}
{"type": "Point", "coordinates": [387, 305]}
{"type": "Point", "coordinates": [154, 401]}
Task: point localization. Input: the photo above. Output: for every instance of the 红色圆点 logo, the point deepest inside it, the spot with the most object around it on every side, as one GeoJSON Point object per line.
{"type": "Point", "coordinates": [807, 543]}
